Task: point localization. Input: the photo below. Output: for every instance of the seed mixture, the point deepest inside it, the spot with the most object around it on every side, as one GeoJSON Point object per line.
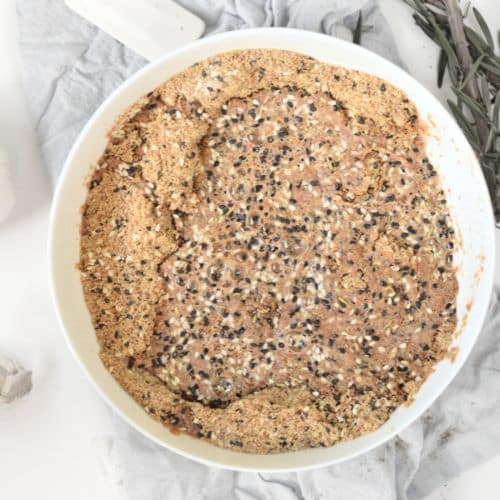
{"type": "Point", "coordinates": [267, 254]}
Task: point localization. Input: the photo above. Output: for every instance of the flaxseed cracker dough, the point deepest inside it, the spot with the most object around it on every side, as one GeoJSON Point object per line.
{"type": "Point", "coordinates": [267, 254]}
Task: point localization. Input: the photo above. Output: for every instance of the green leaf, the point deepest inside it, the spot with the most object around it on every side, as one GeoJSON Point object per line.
{"type": "Point", "coordinates": [489, 140]}
{"type": "Point", "coordinates": [462, 121]}
{"type": "Point", "coordinates": [472, 104]}
{"type": "Point", "coordinates": [356, 37]}
{"type": "Point", "coordinates": [491, 72]}
{"type": "Point", "coordinates": [453, 66]}
{"type": "Point", "coordinates": [494, 129]}
{"type": "Point", "coordinates": [416, 6]}
{"type": "Point", "coordinates": [476, 40]}
{"type": "Point", "coordinates": [442, 63]}
{"type": "Point", "coordinates": [487, 168]}
{"type": "Point", "coordinates": [492, 156]}
{"type": "Point", "coordinates": [484, 28]}
{"type": "Point", "coordinates": [485, 93]}
{"type": "Point", "coordinates": [425, 27]}
{"type": "Point", "coordinates": [466, 9]}
{"type": "Point", "coordinates": [490, 67]}
{"type": "Point", "coordinates": [495, 118]}
{"type": "Point", "coordinates": [472, 72]}
{"type": "Point", "coordinates": [493, 60]}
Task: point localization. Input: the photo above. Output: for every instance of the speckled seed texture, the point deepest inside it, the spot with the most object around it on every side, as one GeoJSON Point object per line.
{"type": "Point", "coordinates": [267, 254]}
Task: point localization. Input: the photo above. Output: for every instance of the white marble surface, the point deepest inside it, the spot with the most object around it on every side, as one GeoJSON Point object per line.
{"type": "Point", "coordinates": [57, 439]}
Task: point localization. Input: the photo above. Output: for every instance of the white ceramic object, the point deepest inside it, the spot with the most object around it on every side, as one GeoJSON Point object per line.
{"type": "Point", "coordinates": [148, 27]}
{"type": "Point", "coordinates": [448, 150]}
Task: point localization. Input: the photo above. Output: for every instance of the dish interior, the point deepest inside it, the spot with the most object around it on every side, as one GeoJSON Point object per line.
{"type": "Point", "coordinates": [447, 149]}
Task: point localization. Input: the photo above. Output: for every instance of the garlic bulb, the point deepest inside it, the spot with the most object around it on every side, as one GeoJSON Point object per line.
{"type": "Point", "coordinates": [15, 381]}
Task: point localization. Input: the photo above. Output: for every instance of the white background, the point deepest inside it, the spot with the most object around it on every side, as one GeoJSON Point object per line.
{"type": "Point", "coordinates": [55, 443]}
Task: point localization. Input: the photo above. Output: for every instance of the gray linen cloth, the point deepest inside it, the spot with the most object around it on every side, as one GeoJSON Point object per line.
{"type": "Point", "coordinates": [70, 67]}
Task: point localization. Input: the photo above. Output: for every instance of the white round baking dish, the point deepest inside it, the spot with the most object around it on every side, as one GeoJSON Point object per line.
{"type": "Point", "coordinates": [448, 150]}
